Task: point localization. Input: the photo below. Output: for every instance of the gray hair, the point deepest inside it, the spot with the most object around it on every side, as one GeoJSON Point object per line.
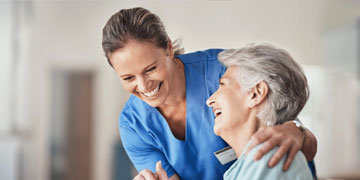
{"type": "Point", "coordinates": [288, 89]}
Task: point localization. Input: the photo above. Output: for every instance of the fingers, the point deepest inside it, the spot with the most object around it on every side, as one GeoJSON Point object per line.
{"type": "Point", "coordinates": [294, 132]}
{"type": "Point", "coordinates": [290, 158]}
{"type": "Point", "coordinates": [259, 137]}
{"type": "Point", "coordinates": [149, 175]}
{"type": "Point", "coordinates": [139, 177]}
{"type": "Point", "coordinates": [265, 148]}
{"type": "Point", "coordinates": [160, 171]}
{"type": "Point", "coordinates": [145, 175]}
{"type": "Point", "coordinates": [283, 149]}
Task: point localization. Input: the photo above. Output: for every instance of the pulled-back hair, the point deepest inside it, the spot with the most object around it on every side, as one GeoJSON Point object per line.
{"type": "Point", "coordinates": [135, 24]}
{"type": "Point", "coordinates": [288, 89]}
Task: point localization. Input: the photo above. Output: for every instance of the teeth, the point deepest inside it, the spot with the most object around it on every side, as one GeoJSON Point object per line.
{"type": "Point", "coordinates": [217, 112]}
{"type": "Point", "coordinates": [152, 93]}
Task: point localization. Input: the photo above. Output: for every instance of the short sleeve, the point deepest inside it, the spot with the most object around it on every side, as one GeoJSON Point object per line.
{"type": "Point", "coordinates": [142, 155]}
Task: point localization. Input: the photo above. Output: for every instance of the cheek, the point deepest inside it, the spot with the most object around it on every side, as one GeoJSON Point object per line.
{"type": "Point", "coordinates": [232, 110]}
{"type": "Point", "coordinates": [165, 73]}
{"type": "Point", "coordinates": [129, 87]}
{"type": "Point", "coordinates": [216, 130]}
{"type": "Point", "coordinates": [161, 75]}
{"type": "Point", "coordinates": [222, 124]}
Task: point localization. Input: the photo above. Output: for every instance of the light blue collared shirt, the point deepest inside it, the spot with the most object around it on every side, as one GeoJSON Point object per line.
{"type": "Point", "coordinates": [246, 168]}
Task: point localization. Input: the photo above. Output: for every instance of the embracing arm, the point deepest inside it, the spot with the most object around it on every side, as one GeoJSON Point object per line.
{"type": "Point", "coordinates": [290, 140]}
{"type": "Point", "coordinates": [309, 146]}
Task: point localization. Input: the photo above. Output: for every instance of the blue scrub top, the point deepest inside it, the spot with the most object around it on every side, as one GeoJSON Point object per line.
{"type": "Point", "coordinates": [147, 137]}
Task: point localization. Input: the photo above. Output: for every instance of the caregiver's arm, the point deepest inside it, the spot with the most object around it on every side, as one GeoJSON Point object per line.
{"type": "Point", "coordinates": [310, 145]}
{"type": "Point", "coordinates": [290, 140]}
{"type": "Point", "coordinates": [143, 155]}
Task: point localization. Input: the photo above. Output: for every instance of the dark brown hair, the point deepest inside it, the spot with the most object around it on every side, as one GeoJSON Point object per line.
{"type": "Point", "coordinates": [138, 24]}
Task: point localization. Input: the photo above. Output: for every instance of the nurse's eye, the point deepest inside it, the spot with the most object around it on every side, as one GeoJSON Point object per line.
{"type": "Point", "coordinates": [151, 69]}
{"type": "Point", "coordinates": [129, 78]}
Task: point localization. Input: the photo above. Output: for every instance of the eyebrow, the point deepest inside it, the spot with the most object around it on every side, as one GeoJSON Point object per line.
{"type": "Point", "coordinates": [224, 78]}
{"type": "Point", "coordinates": [147, 67]}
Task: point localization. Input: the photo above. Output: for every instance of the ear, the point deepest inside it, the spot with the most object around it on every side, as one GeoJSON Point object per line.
{"type": "Point", "coordinates": [258, 94]}
{"type": "Point", "coordinates": [170, 49]}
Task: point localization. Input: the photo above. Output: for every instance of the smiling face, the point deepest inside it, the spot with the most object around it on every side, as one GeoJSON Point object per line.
{"type": "Point", "coordinates": [230, 106]}
{"type": "Point", "coordinates": [145, 70]}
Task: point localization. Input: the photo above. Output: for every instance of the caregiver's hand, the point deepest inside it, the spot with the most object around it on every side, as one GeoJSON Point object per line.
{"type": "Point", "coordinates": [287, 136]}
{"type": "Point", "coordinates": [146, 175]}
{"type": "Point", "coordinates": [159, 175]}
{"type": "Point", "coordinates": [162, 175]}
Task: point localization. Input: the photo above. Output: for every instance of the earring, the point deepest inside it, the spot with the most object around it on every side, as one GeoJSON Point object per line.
{"type": "Point", "coordinates": [209, 102]}
{"type": "Point", "coordinates": [250, 105]}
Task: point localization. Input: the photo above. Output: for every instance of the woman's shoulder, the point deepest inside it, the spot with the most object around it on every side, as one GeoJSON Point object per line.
{"type": "Point", "coordinates": [134, 109]}
{"type": "Point", "coordinates": [130, 105]}
{"type": "Point", "coordinates": [247, 167]}
{"type": "Point", "coordinates": [199, 56]}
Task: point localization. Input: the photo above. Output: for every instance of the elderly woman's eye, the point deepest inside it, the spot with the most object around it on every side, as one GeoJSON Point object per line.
{"type": "Point", "coordinates": [151, 69]}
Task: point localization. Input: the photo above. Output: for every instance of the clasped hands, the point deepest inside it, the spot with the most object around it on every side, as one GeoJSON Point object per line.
{"type": "Point", "coordinates": [146, 174]}
{"type": "Point", "coordinates": [287, 137]}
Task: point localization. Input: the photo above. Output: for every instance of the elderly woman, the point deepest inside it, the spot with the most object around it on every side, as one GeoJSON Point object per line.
{"type": "Point", "coordinates": [263, 86]}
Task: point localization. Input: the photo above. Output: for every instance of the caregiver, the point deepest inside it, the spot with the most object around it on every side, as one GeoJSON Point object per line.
{"type": "Point", "coordinates": [166, 117]}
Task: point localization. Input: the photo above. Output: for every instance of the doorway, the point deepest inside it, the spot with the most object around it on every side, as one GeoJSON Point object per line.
{"type": "Point", "coordinates": [71, 125]}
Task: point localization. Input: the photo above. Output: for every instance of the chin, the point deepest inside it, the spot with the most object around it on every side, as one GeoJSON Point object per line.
{"type": "Point", "coordinates": [216, 131]}
{"type": "Point", "coordinates": [156, 102]}
{"type": "Point", "coordinates": [153, 103]}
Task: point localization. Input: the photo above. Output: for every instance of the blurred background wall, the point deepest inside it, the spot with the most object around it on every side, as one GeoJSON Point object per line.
{"type": "Point", "coordinates": [59, 99]}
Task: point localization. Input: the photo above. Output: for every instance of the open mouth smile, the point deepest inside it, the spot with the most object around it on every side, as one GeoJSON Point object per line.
{"type": "Point", "coordinates": [152, 93]}
{"type": "Point", "coordinates": [217, 112]}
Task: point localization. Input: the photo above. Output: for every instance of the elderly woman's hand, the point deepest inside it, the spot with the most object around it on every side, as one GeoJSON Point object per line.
{"type": "Point", "coordinates": [287, 136]}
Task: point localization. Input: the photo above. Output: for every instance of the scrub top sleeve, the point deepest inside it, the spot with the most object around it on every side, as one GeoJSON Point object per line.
{"type": "Point", "coordinates": [142, 155]}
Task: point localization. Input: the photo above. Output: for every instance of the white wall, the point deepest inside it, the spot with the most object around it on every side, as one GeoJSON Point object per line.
{"type": "Point", "coordinates": [339, 12]}
{"type": "Point", "coordinates": [9, 145]}
{"type": "Point", "coordinates": [9, 159]}
{"type": "Point", "coordinates": [6, 65]}
{"type": "Point", "coordinates": [66, 34]}
{"type": "Point", "coordinates": [293, 25]}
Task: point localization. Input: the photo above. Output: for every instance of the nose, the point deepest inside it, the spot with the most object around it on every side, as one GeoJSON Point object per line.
{"type": "Point", "coordinates": [210, 101]}
{"type": "Point", "coordinates": [143, 84]}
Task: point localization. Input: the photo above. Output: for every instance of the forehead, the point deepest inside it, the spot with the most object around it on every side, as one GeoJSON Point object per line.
{"type": "Point", "coordinates": [231, 77]}
{"type": "Point", "coordinates": [136, 56]}
{"type": "Point", "coordinates": [230, 73]}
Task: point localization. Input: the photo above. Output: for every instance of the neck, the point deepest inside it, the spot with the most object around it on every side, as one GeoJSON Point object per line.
{"type": "Point", "coordinates": [177, 86]}
{"type": "Point", "coordinates": [239, 136]}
